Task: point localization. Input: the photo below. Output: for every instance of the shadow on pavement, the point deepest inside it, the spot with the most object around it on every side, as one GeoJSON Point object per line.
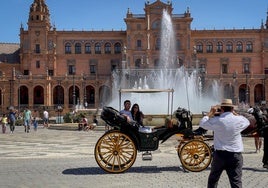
{"type": "Point", "coordinates": [142, 169]}
{"type": "Point", "coordinates": [255, 169]}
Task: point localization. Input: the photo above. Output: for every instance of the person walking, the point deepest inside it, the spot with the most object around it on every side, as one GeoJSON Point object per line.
{"type": "Point", "coordinates": [27, 117]}
{"type": "Point", "coordinates": [12, 119]}
{"type": "Point", "coordinates": [228, 143]}
{"type": "Point", "coordinates": [4, 123]}
{"type": "Point", "coordinates": [35, 124]}
{"type": "Point", "coordinates": [46, 116]}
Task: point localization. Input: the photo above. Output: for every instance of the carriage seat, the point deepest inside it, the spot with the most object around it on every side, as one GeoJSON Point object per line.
{"type": "Point", "coordinates": [113, 117]}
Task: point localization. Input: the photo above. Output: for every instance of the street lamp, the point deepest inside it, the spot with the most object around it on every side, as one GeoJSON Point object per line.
{"type": "Point", "coordinates": [2, 99]}
{"type": "Point", "coordinates": [59, 108]}
{"type": "Point", "coordinates": [247, 92]}
{"type": "Point", "coordinates": [73, 73]}
{"type": "Point", "coordinates": [11, 102]}
{"type": "Point", "coordinates": [234, 80]}
{"type": "Point", "coordinates": [85, 91]}
{"type": "Point", "coordinates": [19, 77]}
{"type": "Point", "coordinates": [263, 88]}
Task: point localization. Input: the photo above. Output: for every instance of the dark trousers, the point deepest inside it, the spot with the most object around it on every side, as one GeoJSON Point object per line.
{"type": "Point", "coordinates": [265, 147]}
{"type": "Point", "coordinates": [12, 126]}
{"type": "Point", "coordinates": [231, 162]}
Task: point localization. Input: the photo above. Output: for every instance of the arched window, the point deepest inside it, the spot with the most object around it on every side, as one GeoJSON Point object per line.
{"type": "Point", "coordinates": [68, 48]}
{"type": "Point", "coordinates": [156, 24]}
{"type": "Point", "coordinates": [77, 48]}
{"type": "Point", "coordinates": [158, 44]}
{"type": "Point", "coordinates": [239, 47]}
{"type": "Point", "coordinates": [107, 48]}
{"type": "Point", "coordinates": [209, 47]}
{"type": "Point", "coordinates": [229, 47]}
{"type": "Point", "coordinates": [156, 63]}
{"type": "Point", "coordinates": [117, 48]}
{"type": "Point", "coordinates": [97, 48]}
{"type": "Point", "coordinates": [199, 47]}
{"type": "Point", "coordinates": [38, 93]}
{"type": "Point", "coordinates": [178, 44]}
{"type": "Point", "coordinates": [88, 48]}
{"type": "Point", "coordinates": [138, 44]}
{"type": "Point", "coordinates": [219, 47]}
{"type": "Point", "coordinates": [138, 63]}
{"type": "Point", "coordinates": [249, 47]}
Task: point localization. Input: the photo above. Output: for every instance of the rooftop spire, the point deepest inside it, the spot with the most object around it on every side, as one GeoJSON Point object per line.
{"type": "Point", "coordinates": [267, 20]}
{"type": "Point", "coordinates": [39, 13]}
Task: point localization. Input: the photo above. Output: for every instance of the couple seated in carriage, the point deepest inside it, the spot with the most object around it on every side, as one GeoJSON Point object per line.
{"type": "Point", "coordinates": [135, 117]}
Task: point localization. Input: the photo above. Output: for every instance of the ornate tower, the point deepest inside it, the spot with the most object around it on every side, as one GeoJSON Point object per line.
{"type": "Point", "coordinates": [37, 53]}
{"type": "Point", "coordinates": [34, 48]}
{"type": "Point", "coordinates": [39, 15]}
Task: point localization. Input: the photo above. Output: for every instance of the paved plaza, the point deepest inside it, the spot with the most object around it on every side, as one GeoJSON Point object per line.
{"type": "Point", "coordinates": [62, 158]}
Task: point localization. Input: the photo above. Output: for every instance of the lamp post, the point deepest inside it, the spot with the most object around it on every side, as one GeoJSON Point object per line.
{"type": "Point", "coordinates": [2, 99]}
{"type": "Point", "coordinates": [234, 82]}
{"type": "Point", "coordinates": [19, 77]}
{"type": "Point", "coordinates": [263, 88]}
{"type": "Point", "coordinates": [59, 108]}
{"type": "Point", "coordinates": [11, 82]}
{"type": "Point", "coordinates": [85, 91]}
{"type": "Point", "coordinates": [247, 92]}
{"type": "Point", "coordinates": [73, 73]}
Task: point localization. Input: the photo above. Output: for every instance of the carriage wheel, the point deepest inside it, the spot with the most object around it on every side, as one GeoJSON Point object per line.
{"type": "Point", "coordinates": [195, 155]}
{"type": "Point", "coordinates": [115, 152]}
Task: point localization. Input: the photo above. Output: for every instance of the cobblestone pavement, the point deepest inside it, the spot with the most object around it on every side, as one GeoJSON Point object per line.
{"type": "Point", "coordinates": [62, 159]}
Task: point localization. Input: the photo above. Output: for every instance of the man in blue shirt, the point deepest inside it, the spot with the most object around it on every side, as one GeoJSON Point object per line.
{"type": "Point", "coordinates": [27, 117]}
{"type": "Point", "coordinates": [228, 143]}
{"type": "Point", "coordinates": [126, 111]}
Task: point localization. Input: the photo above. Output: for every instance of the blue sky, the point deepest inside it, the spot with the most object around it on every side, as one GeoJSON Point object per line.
{"type": "Point", "coordinates": [110, 14]}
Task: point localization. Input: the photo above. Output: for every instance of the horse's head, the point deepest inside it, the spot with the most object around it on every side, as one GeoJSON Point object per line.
{"type": "Point", "coordinates": [256, 112]}
{"type": "Point", "coordinates": [183, 115]}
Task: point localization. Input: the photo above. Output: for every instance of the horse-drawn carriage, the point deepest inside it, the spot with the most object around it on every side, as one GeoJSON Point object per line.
{"type": "Point", "coordinates": [116, 150]}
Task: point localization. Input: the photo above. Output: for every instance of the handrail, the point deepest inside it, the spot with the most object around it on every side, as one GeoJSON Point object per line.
{"type": "Point", "coordinates": [145, 90]}
{"type": "Point", "coordinates": [170, 105]}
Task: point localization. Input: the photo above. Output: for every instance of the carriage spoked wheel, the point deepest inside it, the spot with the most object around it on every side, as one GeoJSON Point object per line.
{"type": "Point", "coordinates": [195, 155]}
{"type": "Point", "coordinates": [115, 152]}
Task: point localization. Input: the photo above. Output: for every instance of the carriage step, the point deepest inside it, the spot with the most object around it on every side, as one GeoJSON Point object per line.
{"type": "Point", "coordinates": [147, 156]}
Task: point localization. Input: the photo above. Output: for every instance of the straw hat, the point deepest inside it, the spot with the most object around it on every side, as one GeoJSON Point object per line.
{"type": "Point", "coordinates": [227, 102]}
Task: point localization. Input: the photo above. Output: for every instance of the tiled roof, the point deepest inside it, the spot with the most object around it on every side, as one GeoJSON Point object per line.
{"type": "Point", "coordinates": [9, 53]}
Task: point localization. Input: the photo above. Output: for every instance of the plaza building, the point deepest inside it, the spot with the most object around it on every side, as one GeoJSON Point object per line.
{"type": "Point", "coordinates": [58, 69]}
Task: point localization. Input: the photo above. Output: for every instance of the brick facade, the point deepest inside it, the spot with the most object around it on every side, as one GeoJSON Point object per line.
{"type": "Point", "coordinates": [52, 63]}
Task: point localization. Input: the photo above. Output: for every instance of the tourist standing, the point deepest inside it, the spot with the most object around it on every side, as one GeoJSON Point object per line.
{"type": "Point", "coordinates": [4, 123]}
{"type": "Point", "coordinates": [27, 117]}
{"type": "Point", "coordinates": [12, 119]}
{"type": "Point", "coordinates": [228, 143]}
{"type": "Point", "coordinates": [45, 116]}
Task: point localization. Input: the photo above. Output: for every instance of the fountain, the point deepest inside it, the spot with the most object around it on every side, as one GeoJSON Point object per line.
{"type": "Point", "coordinates": [187, 86]}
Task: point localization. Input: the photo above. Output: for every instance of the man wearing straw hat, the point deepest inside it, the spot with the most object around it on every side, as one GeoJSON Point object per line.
{"type": "Point", "coordinates": [228, 143]}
